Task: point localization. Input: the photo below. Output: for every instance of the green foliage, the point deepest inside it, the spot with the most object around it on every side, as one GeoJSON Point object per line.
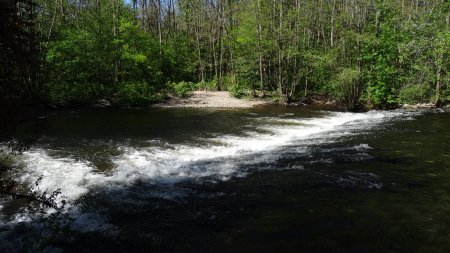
{"type": "Point", "coordinates": [347, 87]}
{"type": "Point", "coordinates": [207, 85]}
{"type": "Point", "coordinates": [415, 94]}
{"type": "Point", "coordinates": [70, 57]}
{"type": "Point", "coordinates": [380, 57]}
{"type": "Point", "coordinates": [92, 61]}
{"type": "Point", "coordinates": [239, 89]}
{"type": "Point", "coordinates": [138, 54]}
{"type": "Point", "coordinates": [136, 93]}
{"type": "Point", "coordinates": [182, 89]}
{"type": "Point", "coordinates": [178, 63]}
{"type": "Point", "coordinates": [229, 81]}
{"type": "Point", "coordinates": [73, 77]}
{"type": "Point", "coordinates": [319, 67]}
{"type": "Point", "coordinates": [381, 54]}
{"type": "Point", "coordinates": [446, 93]}
{"type": "Point", "coordinates": [74, 93]}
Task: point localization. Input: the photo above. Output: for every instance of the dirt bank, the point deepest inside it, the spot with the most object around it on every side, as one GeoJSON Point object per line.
{"type": "Point", "coordinates": [211, 99]}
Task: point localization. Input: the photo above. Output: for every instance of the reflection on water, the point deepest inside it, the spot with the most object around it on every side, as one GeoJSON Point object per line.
{"type": "Point", "coordinates": [269, 178]}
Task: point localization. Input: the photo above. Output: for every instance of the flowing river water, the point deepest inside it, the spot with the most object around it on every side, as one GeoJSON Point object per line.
{"type": "Point", "coordinates": [266, 179]}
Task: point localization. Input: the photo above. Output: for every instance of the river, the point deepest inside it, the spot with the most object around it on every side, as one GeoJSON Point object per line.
{"type": "Point", "coordinates": [266, 179]}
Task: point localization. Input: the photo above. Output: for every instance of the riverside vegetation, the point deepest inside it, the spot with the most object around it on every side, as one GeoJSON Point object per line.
{"type": "Point", "coordinates": [362, 53]}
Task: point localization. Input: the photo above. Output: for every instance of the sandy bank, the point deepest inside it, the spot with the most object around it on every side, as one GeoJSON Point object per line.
{"type": "Point", "coordinates": [211, 99]}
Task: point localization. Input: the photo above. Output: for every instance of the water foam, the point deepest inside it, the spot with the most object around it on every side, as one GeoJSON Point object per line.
{"type": "Point", "coordinates": [174, 163]}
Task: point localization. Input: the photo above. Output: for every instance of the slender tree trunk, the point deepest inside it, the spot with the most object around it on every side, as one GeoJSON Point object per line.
{"type": "Point", "coordinates": [332, 24]}
{"type": "Point", "coordinates": [378, 23]}
{"type": "Point", "coordinates": [214, 57]}
{"type": "Point", "coordinates": [221, 36]}
{"type": "Point", "coordinates": [143, 14]}
{"type": "Point", "coordinates": [159, 17]}
{"type": "Point", "coordinates": [51, 26]}
{"type": "Point", "coordinates": [306, 84]}
{"type": "Point", "coordinates": [231, 46]}
{"type": "Point", "coordinates": [280, 53]}
{"type": "Point", "coordinates": [438, 83]}
{"type": "Point", "coordinates": [199, 54]}
{"type": "Point", "coordinates": [260, 56]}
{"type": "Point", "coordinates": [116, 17]}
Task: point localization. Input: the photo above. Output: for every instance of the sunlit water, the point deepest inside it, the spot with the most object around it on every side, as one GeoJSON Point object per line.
{"type": "Point", "coordinates": [265, 179]}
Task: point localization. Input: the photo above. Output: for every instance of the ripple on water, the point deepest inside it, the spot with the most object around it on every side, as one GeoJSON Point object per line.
{"type": "Point", "coordinates": [223, 158]}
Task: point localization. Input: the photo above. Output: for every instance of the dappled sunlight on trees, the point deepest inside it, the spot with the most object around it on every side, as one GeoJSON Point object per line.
{"type": "Point", "coordinates": [85, 50]}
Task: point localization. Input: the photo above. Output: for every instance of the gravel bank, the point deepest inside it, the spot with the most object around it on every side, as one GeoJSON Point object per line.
{"type": "Point", "coordinates": [211, 99]}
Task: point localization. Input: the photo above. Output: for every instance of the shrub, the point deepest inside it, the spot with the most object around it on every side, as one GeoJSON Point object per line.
{"type": "Point", "coordinates": [238, 90]}
{"type": "Point", "coordinates": [229, 81]}
{"type": "Point", "coordinates": [136, 93]}
{"type": "Point", "coordinates": [73, 93]}
{"type": "Point", "coordinates": [347, 87]}
{"type": "Point", "coordinates": [182, 89]}
{"type": "Point", "coordinates": [207, 85]}
{"type": "Point", "coordinates": [415, 94]}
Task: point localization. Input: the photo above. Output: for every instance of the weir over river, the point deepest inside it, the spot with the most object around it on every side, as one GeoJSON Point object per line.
{"type": "Point", "coordinates": [267, 179]}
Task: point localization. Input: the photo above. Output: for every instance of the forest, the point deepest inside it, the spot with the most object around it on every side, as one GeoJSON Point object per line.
{"type": "Point", "coordinates": [362, 53]}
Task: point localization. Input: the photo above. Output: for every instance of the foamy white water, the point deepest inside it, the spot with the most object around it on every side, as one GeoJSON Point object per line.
{"type": "Point", "coordinates": [175, 163]}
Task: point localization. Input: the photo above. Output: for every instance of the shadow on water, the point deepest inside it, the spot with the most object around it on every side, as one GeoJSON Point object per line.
{"type": "Point", "coordinates": [383, 189]}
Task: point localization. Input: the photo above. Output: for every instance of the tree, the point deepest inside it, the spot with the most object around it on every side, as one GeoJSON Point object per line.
{"type": "Point", "coordinates": [19, 50]}
{"type": "Point", "coordinates": [289, 49]}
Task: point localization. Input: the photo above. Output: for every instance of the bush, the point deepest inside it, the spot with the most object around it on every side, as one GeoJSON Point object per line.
{"type": "Point", "coordinates": [136, 93]}
{"type": "Point", "coordinates": [415, 94]}
{"type": "Point", "coordinates": [347, 87]}
{"type": "Point", "coordinates": [73, 93]}
{"type": "Point", "coordinates": [446, 95]}
{"type": "Point", "coordinates": [238, 90]}
{"type": "Point", "coordinates": [229, 81]}
{"type": "Point", "coordinates": [207, 85]}
{"type": "Point", "coordinates": [182, 89]}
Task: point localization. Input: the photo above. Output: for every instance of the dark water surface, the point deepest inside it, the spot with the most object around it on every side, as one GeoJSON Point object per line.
{"type": "Point", "coordinates": [268, 179]}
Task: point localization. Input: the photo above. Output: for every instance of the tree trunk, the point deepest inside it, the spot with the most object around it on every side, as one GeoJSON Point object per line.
{"type": "Point", "coordinates": [159, 17]}
{"type": "Point", "coordinates": [116, 17]}
{"type": "Point", "coordinates": [280, 54]}
{"type": "Point", "coordinates": [221, 35]}
{"type": "Point", "coordinates": [260, 56]}
{"type": "Point", "coordinates": [199, 54]}
{"type": "Point", "coordinates": [332, 24]}
{"type": "Point", "coordinates": [438, 85]}
{"type": "Point", "coordinates": [306, 84]}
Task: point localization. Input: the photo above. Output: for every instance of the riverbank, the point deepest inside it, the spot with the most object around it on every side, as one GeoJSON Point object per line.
{"type": "Point", "coordinates": [211, 99]}
{"type": "Point", "coordinates": [424, 106]}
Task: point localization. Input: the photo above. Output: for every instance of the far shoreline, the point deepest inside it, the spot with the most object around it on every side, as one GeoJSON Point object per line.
{"type": "Point", "coordinates": [224, 100]}
{"type": "Point", "coordinates": [211, 99]}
